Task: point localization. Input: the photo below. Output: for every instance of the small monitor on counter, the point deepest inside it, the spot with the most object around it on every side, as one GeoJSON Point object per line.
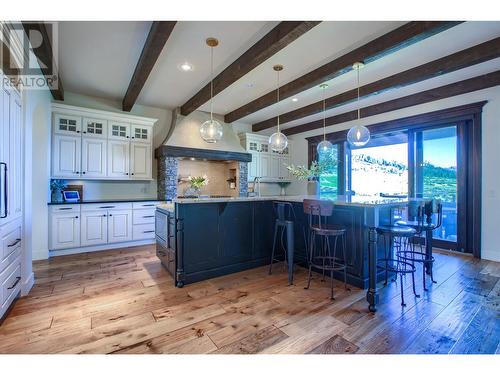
{"type": "Point", "coordinates": [71, 196]}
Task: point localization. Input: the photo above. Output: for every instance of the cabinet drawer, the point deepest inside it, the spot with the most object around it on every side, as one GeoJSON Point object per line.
{"type": "Point", "coordinates": [10, 282]}
{"type": "Point", "coordinates": [144, 217]}
{"type": "Point", "coordinates": [8, 260]}
{"type": "Point", "coordinates": [63, 208]}
{"type": "Point", "coordinates": [106, 206]}
{"type": "Point", "coordinates": [143, 232]}
{"type": "Point", "coordinates": [10, 242]}
{"type": "Point", "coordinates": [139, 205]}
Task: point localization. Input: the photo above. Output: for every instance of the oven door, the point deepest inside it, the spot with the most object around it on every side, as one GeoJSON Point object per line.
{"type": "Point", "coordinates": [161, 225]}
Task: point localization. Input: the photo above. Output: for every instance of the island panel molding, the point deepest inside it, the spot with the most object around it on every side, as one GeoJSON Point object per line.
{"type": "Point", "coordinates": [453, 89]}
{"type": "Point", "coordinates": [468, 57]}
{"type": "Point", "coordinates": [404, 36]}
{"type": "Point", "coordinates": [158, 35]}
{"type": "Point", "coordinates": [277, 39]}
{"type": "Point", "coordinates": [100, 145]}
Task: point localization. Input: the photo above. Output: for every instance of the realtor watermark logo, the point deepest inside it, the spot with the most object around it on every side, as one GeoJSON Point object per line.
{"type": "Point", "coordinates": [29, 55]}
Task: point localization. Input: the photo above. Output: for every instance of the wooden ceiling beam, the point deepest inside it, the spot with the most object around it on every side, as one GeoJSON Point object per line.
{"type": "Point", "coordinates": [158, 35]}
{"type": "Point", "coordinates": [408, 34]}
{"type": "Point", "coordinates": [458, 88]}
{"type": "Point", "coordinates": [45, 57]}
{"type": "Point", "coordinates": [471, 56]}
{"type": "Point", "coordinates": [277, 39]}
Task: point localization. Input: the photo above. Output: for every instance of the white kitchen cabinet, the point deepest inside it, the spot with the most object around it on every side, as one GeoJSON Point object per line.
{"type": "Point", "coordinates": [11, 194]}
{"type": "Point", "coordinates": [119, 130]}
{"type": "Point", "coordinates": [118, 159]}
{"type": "Point", "coordinates": [141, 133]}
{"type": "Point", "coordinates": [100, 145]}
{"type": "Point", "coordinates": [94, 157]}
{"type": "Point", "coordinates": [67, 124]}
{"type": "Point", "coordinates": [267, 164]}
{"type": "Point", "coordinates": [119, 226]}
{"type": "Point", "coordinates": [66, 156]}
{"type": "Point", "coordinates": [16, 158]}
{"type": "Point", "coordinates": [95, 128]}
{"type": "Point", "coordinates": [140, 160]}
{"type": "Point", "coordinates": [94, 227]}
{"type": "Point", "coordinates": [65, 230]}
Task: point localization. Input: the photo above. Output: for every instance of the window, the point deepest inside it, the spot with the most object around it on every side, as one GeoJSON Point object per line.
{"type": "Point", "coordinates": [329, 181]}
{"type": "Point", "coordinates": [381, 168]}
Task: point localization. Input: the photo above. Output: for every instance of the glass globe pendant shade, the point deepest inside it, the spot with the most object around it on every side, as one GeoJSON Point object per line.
{"type": "Point", "coordinates": [211, 131]}
{"type": "Point", "coordinates": [358, 136]}
{"type": "Point", "coordinates": [278, 142]}
{"type": "Point", "coordinates": [325, 148]}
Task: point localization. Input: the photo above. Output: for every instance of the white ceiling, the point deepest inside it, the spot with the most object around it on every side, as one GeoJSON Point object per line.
{"type": "Point", "coordinates": [98, 59]}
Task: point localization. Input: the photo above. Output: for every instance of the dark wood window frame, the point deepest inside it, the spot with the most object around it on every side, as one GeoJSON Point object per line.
{"type": "Point", "coordinates": [469, 149]}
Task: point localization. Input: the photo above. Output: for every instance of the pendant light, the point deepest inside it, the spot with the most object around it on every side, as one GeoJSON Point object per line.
{"type": "Point", "coordinates": [278, 141]}
{"type": "Point", "coordinates": [325, 148]}
{"type": "Point", "coordinates": [358, 135]}
{"type": "Point", "coordinates": [211, 130]}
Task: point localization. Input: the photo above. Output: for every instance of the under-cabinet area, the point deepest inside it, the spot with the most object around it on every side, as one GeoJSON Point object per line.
{"type": "Point", "coordinates": [99, 226]}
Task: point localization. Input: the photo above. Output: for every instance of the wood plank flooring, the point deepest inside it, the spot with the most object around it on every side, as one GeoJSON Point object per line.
{"type": "Point", "coordinates": [122, 301]}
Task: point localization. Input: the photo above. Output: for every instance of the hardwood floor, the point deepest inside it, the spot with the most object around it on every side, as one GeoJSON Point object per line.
{"type": "Point", "coordinates": [122, 301]}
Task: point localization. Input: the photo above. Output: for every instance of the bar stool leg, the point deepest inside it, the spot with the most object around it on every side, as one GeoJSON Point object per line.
{"type": "Point", "coordinates": [332, 260]}
{"type": "Point", "coordinates": [311, 250]}
{"type": "Point", "coordinates": [402, 292]}
{"type": "Point", "coordinates": [274, 248]}
{"type": "Point", "coordinates": [324, 255]}
{"type": "Point", "coordinates": [344, 255]}
{"type": "Point", "coordinates": [387, 254]}
{"type": "Point", "coordinates": [412, 249]}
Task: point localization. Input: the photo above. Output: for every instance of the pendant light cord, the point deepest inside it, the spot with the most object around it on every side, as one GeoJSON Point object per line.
{"type": "Point", "coordinates": [324, 115]}
{"type": "Point", "coordinates": [359, 109]}
{"type": "Point", "coordinates": [211, 82]}
{"type": "Point", "coordinates": [278, 96]}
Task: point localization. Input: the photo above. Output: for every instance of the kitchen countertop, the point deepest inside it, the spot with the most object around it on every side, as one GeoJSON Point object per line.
{"type": "Point", "coordinates": [120, 200]}
{"type": "Point", "coordinates": [338, 200]}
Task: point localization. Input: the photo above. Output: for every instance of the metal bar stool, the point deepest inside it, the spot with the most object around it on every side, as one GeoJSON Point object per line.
{"type": "Point", "coordinates": [397, 237]}
{"type": "Point", "coordinates": [323, 258]}
{"type": "Point", "coordinates": [285, 220]}
{"type": "Point", "coordinates": [422, 223]}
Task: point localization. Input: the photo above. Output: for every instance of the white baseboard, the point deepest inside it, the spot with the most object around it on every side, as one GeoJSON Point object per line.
{"type": "Point", "coordinates": [109, 246]}
{"type": "Point", "coordinates": [490, 255]}
{"type": "Point", "coordinates": [28, 284]}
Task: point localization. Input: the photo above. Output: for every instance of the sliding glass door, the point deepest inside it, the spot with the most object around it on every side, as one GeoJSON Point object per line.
{"type": "Point", "coordinates": [436, 174]}
{"type": "Point", "coordinates": [419, 162]}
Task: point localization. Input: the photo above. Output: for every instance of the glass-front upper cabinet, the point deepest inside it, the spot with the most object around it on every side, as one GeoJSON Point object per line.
{"type": "Point", "coordinates": [141, 133]}
{"type": "Point", "coordinates": [67, 124]}
{"type": "Point", "coordinates": [95, 127]}
{"type": "Point", "coordinates": [119, 130]}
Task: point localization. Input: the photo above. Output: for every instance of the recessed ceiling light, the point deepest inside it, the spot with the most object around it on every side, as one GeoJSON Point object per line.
{"type": "Point", "coordinates": [295, 99]}
{"type": "Point", "coordinates": [249, 85]}
{"type": "Point", "coordinates": [186, 67]}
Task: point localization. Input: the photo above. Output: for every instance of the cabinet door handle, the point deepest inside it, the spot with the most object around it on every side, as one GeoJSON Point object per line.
{"type": "Point", "coordinates": [78, 131]}
{"type": "Point", "coordinates": [15, 283]}
{"type": "Point", "coordinates": [107, 207]}
{"type": "Point", "coordinates": [64, 208]}
{"type": "Point", "coordinates": [76, 217]}
{"type": "Point", "coordinates": [83, 172]}
{"type": "Point", "coordinates": [148, 205]}
{"type": "Point", "coordinates": [132, 174]}
{"type": "Point", "coordinates": [110, 215]}
{"type": "Point", "coordinates": [104, 215]}
{"type": "Point", "coordinates": [145, 217]}
{"type": "Point", "coordinates": [5, 192]}
{"type": "Point", "coordinates": [148, 231]}
{"type": "Point", "coordinates": [126, 174]}
{"type": "Point", "coordinates": [14, 243]}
